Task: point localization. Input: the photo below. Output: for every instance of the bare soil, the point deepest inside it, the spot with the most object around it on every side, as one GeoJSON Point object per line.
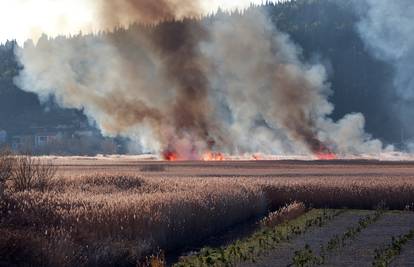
{"type": "Point", "coordinates": [283, 255]}
{"type": "Point", "coordinates": [361, 251]}
{"type": "Point", "coordinates": [407, 256]}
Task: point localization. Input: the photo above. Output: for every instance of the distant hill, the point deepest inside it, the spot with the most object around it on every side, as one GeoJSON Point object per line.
{"type": "Point", "coordinates": [326, 31]}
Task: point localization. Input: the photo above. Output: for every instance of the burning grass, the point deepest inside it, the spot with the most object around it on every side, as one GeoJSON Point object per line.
{"type": "Point", "coordinates": [119, 217]}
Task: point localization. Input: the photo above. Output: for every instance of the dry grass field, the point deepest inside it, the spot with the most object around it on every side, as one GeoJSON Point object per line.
{"type": "Point", "coordinates": [116, 212]}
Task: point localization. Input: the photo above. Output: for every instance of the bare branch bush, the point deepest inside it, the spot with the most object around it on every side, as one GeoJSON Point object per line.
{"type": "Point", "coordinates": [45, 172]}
{"type": "Point", "coordinates": [6, 168]}
{"type": "Point", "coordinates": [31, 173]}
{"type": "Point", "coordinates": [24, 173]}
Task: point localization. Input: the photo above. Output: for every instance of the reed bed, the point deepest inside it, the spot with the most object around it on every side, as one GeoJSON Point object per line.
{"type": "Point", "coordinates": [122, 218]}
{"type": "Point", "coordinates": [118, 217]}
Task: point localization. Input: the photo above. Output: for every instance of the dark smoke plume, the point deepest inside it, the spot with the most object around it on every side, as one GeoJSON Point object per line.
{"type": "Point", "coordinates": [168, 53]}
{"type": "Point", "coordinates": [233, 84]}
{"type": "Point", "coordinates": [177, 47]}
{"type": "Point", "coordinates": [124, 12]}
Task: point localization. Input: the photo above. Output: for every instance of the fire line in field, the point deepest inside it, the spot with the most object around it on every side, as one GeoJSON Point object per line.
{"type": "Point", "coordinates": [325, 153]}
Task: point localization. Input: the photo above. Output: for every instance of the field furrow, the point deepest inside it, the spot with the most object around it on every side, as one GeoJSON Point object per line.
{"type": "Point", "coordinates": [406, 258]}
{"type": "Point", "coordinates": [283, 254]}
{"type": "Point", "coordinates": [361, 251]}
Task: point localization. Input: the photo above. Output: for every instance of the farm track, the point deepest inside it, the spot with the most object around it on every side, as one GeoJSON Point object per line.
{"type": "Point", "coordinates": [282, 256]}
{"type": "Point", "coordinates": [361, 251]}
{"type": "Point", "coordinates": [406, 258]}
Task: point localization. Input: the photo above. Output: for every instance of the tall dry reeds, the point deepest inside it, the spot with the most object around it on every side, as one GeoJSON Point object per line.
{"type": "Point", "coordinates": [357, 193]}
{"type": "Point", "coordinates": [129, 223]}
{"type": "Point", "coordinates": [108, 219]}
{"type": "Point", "coordinates": [284, 214]}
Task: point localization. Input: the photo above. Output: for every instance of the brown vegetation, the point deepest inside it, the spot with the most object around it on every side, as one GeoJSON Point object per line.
{"type": "Point", "coordinates": [6, 169]}
{"type": "Point", "coordinates": [126, 218]}
{"type": "Point", "coordinates": [284, 214]}
{"type": "Point", "coordinates": [118, 217]}
{"type": "Point", "coordinates": [29, 172]}
{"type": "Point", "coordinates": [153, 168]}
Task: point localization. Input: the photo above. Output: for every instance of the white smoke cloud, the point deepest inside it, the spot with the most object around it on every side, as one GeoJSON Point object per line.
{"type": "Point", "coordinates": [89, 73]}
{"type": "Point", "coordinates": [387, 29]}
{"type": "Point", "coordinates": [263, 97]}
{"type": "Point", "coordinates": [348, 136]}
{"type": "Point", "coordinates": [259, 73]}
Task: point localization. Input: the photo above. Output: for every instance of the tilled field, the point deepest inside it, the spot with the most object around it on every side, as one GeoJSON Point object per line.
{"type": "Point", "coordinates": [407, 256]}
{"type": "Point", "coordinates": [349, 238]}
{"type": "Point", "coordinates": [361, 250]}
{"type": "Point", "coordinates": [283, 254]}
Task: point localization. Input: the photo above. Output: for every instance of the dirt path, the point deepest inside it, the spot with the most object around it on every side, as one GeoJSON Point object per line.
{"type": "Point", "coordinates": [282, 256]}
{"type": "Point", "coordinates": [360, 252]}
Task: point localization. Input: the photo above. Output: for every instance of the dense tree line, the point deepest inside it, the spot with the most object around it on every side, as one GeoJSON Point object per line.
{"type": "Point", "coordinates": [325, 29]}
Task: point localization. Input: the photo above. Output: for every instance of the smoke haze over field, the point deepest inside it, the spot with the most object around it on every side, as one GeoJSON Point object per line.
{"type": "Point", "coordinates": [232, 84]}
{"type": "Point", "coordinates": [387, 29]}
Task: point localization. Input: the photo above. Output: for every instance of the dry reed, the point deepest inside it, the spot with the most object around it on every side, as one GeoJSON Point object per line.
{"type": "Point", "coordinates": [111, 218]}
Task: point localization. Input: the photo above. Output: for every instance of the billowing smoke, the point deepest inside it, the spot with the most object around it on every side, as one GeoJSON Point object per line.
{"type": "Point", "coordinates": [123, 12]}
{"type": "Point", "coordinates": [387, 29]}
{"type": "Point", "coordinates": [262, 78]}
{"type": "Point", "coordinates": [154, 76]}
{"type": "Point", "coordinates": [233, 84]}
{"type": "Point", "coordinates": [277, 102]}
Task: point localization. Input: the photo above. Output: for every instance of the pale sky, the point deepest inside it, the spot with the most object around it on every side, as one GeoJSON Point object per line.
{"type": "Point", "coordinates": [24, 19]}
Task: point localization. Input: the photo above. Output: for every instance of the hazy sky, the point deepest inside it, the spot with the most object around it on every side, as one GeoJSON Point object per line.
{"type": "Point", "coordinates": [24, 19]}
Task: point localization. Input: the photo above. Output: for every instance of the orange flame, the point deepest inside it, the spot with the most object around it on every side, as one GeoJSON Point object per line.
{"type": "Point", "coordinates": [324, 153]}
{"type": "Point", "coordinates": [257, 157]}
{"type": "Point", "coordinates": [170, 156]}
{"type": "Point", "coordinates": [326, 156]}
{"type": "Point", "coordinates": [213, 156]}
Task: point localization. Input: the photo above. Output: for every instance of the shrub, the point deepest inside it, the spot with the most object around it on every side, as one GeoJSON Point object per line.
{"type": "Point", "coordinates": [30, 172]}
{"type": "Point", "coordinates": [44, 174]}
{"type": "Point", "coordinates": [6, 168]}
{"type": "Point", "coordinates": [156, 260]}
{"type": "Point", "coordinates": [24, 172]}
